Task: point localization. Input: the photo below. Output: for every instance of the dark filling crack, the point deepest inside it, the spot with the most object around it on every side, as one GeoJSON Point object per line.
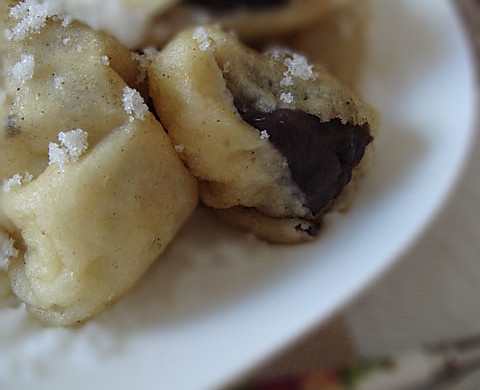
{"type": "Point", "coordinates": [225, 5]}
{"type": "Point", "coordinates": [320, 155]}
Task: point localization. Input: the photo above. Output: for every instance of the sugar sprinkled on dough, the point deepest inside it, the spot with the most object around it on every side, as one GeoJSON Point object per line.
{"type": "Point", "coordinates": [134, 104]}
{"type": "Point", "coordinates": [59, 81]}
{"type": "Point", "coordinates": [67, 21]}
{"type": "Point", "coordinates": [105, 60]}
{"type": "Point", "coordinates": [264, 134]}
{"type": "Point", "coordinates": [32, 17]}
{"type": "Point", "coordinates": [57, 155]}
{"type": "Point", "coordinates": [287, 80]}
{"type": "Point", "coordinates": [298, 66]}
{"type": "Point", "coordinates": [140, 59]}
{"type": "Point", "coordinates": [75, 141]}
{"type": "Point", "coordinates": [149, 53]}
{"type": "Point", "coordinates": [73, 144]}
{"type": "Point", "coordinates": [23, 69]}
{"type": "Point", "coordinates": [286, 97]}
{"type": "Point", "coordinates": [143, 61]}
{"type": "Point", "coordinates": [16, 181]}
{"type": "Point", "coordinates": [7, 250]}
{"type": "Point", "coordinates": [204, 41]}
{"type": "Point", "coordinates": [278, 53]}
{"type": "Point", "coordinates": [27, 177]}
{"type": "Point", "coordinates": [179, 148]}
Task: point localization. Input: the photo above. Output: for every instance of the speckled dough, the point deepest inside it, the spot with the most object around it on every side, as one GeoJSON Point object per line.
{"type": "Point", "coordinates": [69, 80]}
{"type": "Point", "coordinates": [85, 235]}
{"type": "Point", "coordinates": [199, 81]}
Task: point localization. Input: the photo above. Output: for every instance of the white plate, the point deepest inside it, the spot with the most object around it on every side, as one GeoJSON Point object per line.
{"type": "Point", "coordinates": [221, 302]}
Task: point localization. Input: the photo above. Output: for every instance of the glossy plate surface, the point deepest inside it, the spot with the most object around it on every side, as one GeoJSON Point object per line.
{"type": "Point", "coordinates": [220, 301]}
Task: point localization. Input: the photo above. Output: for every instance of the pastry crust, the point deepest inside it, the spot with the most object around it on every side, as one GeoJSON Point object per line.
{"type": "Point", "coordinates": [69, 80]}
{"type": "Point", "coordinates": [199, 84]}
{"type": "Point", "coordinates": [86, 229]}
{"type": "Point", "coordinates": [278, 230]}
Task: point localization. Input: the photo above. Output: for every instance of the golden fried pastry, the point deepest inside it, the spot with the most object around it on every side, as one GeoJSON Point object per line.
{"type": "Point", "coordinates": [87, 234]}
{"type": "Point", "coordinates": [93, 190]}
{"type": "Point", "coordinates": [55, 78]}
{"type": "Point", "coordinates": [273, 140]}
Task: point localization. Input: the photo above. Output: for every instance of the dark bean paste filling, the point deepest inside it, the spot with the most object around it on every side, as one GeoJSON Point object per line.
{"type": "Point", "coordinates": [320, 156]}
{"type": "Point", "coordinates": [225, 5]}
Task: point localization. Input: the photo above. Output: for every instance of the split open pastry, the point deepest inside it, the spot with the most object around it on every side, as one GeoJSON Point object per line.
{"type": "Point", "coordinates": [93, 190]}
{"type": "Point", "coordinates": [273, 140]}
